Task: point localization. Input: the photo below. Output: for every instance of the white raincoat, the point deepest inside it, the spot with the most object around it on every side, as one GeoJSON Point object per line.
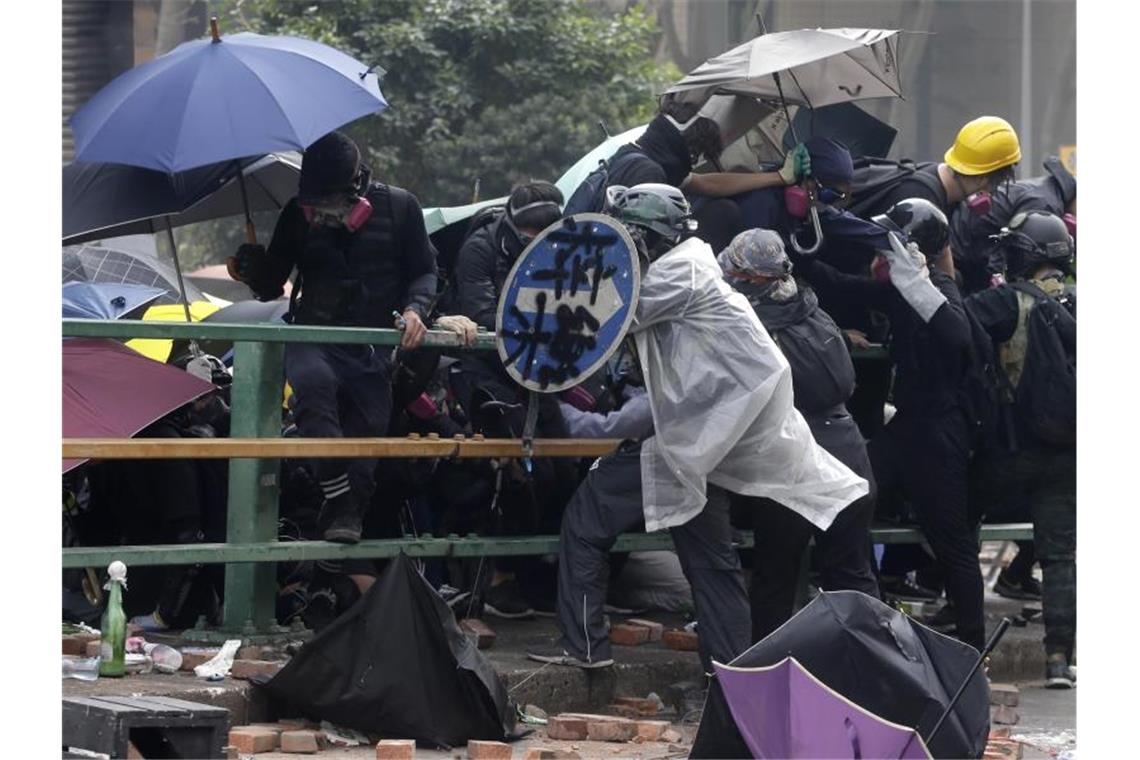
{"type": "Point", "coordinates": [721, 396]}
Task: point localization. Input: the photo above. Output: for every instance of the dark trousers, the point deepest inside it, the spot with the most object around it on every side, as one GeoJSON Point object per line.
{"type": "Point", "coordinates": [341, 392]}
{"type": "Point", "coordinates": [607, 504]}
{"type": "Point", "coordinates": [927, 458]}
{"type": "Point", "coordinates": [842, 554]}
{"type": "Point", "coordinates": [1045, 480]}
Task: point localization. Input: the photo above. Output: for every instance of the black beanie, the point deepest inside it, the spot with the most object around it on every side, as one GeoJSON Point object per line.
{"type": "Point", "coordinates": [328, 167]}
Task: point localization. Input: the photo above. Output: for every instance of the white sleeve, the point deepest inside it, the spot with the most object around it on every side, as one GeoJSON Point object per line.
{"type": "Point", "coordinates": [633, 421]}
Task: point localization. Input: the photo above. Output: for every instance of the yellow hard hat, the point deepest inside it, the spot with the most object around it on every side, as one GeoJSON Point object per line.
{"type": "Point", "coordinates": [986, 144]}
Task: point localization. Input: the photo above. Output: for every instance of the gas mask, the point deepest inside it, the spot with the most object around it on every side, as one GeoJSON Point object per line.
{"type": "Point", "coordinates": [979, 203]}
{"type": "Point", "coordinates": [349, 211]}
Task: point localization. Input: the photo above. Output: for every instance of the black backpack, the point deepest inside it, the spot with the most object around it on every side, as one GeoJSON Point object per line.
{"type": "Point", "coordinates": [590, 196]}
{"type": "Point", "coordinates": [823, 376]}
{"type": "Point", "coordinates": [1046, 393]}
{"type": "Point", "coordinates": [875, 178]}
{"type": "Point", "coordinates": [981, 388]}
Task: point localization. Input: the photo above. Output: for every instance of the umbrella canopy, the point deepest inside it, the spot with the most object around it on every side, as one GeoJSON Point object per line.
{"type": "Point", "coordinates": [876, 657]}
{"type": "Point", "coordinates": [228, 98]}
{"type": "Point", "coordinates": [783, 711]}
{"type": "Point", "coordinates": [109, 200]}
{"type": "Point", "coordinates": [115, 263]}
{"type": "Point", "coordinates": [573, 176]}
{"type": "Point", "coordinates": [823, 66]}
{"type": "Point", "coordinates": [160, 349]}
{"type": "Point", "coordinates": [89, 300]}
{"type": "Point", "coordinates": [109, 391]}
{"type": "Point", "coordinates": [243, 313]}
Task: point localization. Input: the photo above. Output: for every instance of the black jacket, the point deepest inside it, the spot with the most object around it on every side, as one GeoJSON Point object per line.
{"type": "Point", "coordinates": [354, 278]}
{"type": "Point", "coordinates": [931, 359]}
{"type": "Point", "coordinates": [663, 157]}
{"type": "Point", "coordinates": [482, 267]}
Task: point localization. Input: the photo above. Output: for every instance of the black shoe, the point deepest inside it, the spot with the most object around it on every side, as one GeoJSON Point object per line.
{"type": "Point", "coordinates": [558, 656]}
{"type": "Point", "coordinates": [944, 621]}
{"type": "Point", "coordinates": [1028, 589]}
{"type": "Point", "coordinates": [341, 520]}
{"type": "Point", "coordinates": [506, 601]}
{"type": "Point", "coordinates": [905, 590]}
{"type": "Point", "coordinates": [1058, 673]}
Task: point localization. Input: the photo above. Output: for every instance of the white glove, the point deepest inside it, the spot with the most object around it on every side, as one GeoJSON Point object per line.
{"type": "Point", "coordinates": [911, 278]}
{"type": "Point", "coordinates": [460, 325]}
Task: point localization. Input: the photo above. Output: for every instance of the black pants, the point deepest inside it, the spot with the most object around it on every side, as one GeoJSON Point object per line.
{"type": "Point", "coordinates": [842, 553]}
{"type": "Point", "coordinates": [607, 504]}
{"type": "Point", "coordinates": [1046, 480]}
{"type": "Point", "coordinates": [927, 458]}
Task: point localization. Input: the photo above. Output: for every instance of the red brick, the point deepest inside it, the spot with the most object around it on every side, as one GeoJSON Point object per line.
{"type": "Point", "coordinates": [1005, 715]}
{"type": "Point", "coordinates": [672, 735]}
{"type": "Point", "coordinates": [94, 648]}
{"type": "Point", "coordinates": [250, 653]}
{"type": "Point", "coordinates": [300, 742]}
{"type": "Point", "coordinates": [395, 749]}
{"type": "Point", "coordinates": [72, 645]}
{"type": "Point", "coordinates": [231, 752]}
{"type": "Point", "coordinates": [1001, 732]}
{"type": "Point", "coordinates": [246, 669]}
{"type": "Point", "coordinates": [651, 730]}
{"type": "Point", "coordinates": [1004, 694]}
{"type": "Point", "coordinates": [685, 641]}
{"type": "Point", "coordinates": [644, 707]}
{"type": "Point", "coordinates": [477, 750]}
{"type": "Point", "coordinates": [276, 728]}
{"type": "Point", "coordinates": [568, 728]}
{"type": "Point", "coordinates": [615, 730]}
{"type": "Point", "coordinates": [623, 711]}
{"type": "Point", "coordinates": [656, 630]}
{"type": "Point", "coordinates": [250, 740]}
{"type": "Point", "coordinates": [482, 632]}
{"type": "Point", "coordinates": [550, 753]}
{"type": "Point", "coordinates": [628, 635]}
{"type": "Point", "coordinates": [191, 660]}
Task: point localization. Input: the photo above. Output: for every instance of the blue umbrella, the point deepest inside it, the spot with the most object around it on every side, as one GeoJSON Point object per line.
{"type": "Point", "coordinates": [223, 99]}
{"type": "Point", "coordinates": [105, 300]}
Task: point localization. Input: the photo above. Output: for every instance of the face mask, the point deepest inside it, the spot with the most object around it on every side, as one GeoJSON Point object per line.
{"type": "Point", "coordinates": [979, 203]}
{"type": "Point", "coordinates": [351, 219]}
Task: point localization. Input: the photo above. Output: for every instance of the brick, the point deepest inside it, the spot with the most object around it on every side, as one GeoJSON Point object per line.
{"type": "Point", "coordinates": [300, 742]}
{"type": "Point", "coordinates": [246, 669]}
{"type": "Point", "coordinates": [395, 749]}
{"type": "Point", "coordinates": [133, 752]}
{"type": "Point", "coordinates": [484, 636]}
{"type": "Point", "coordinates": [72, 645]}
{"type": "Point", "coordinates": [1006, 748]}
{"type": "Point", "coordinates": [651, 730]}
{"type": "Point", "coordinates": [626, 635]}
{"type": "Point", "coordinates": [1004, 694]}
{"type": "Point", "coordinates": [85, 637]}
{"type": "Point", "coordinates": [477, 750]}
{"type": "Point", "coordinates": [297, 724]}
{"type": "Point", "coordinates": [191, 660]}
{"type": "Point", "coordinates": [231, 752]}
{"type": "Point", "coordinates": [276, 728]}
{"type": "Point", "coordinates": [250, 653]}
{"type": "Point", "coordinates": [567, 727]}
{"type": "Point", "coordinates": [550, 753]}
{"type": "Point", "coordinates": [685, 641]}
{"type": "Point", "coordinates": [672, 735]}
{"type": "Point", "coordinates": [623, 711]}
{"type": "Point", "coordinates": [1001, 732]}
{"type": "Point", "coordinates": [94, 648]}
{"type": "Point", "coordinates": [619, 730]}
{"type": "Point", "coordinates": [645, 707]}
{"type": "Point", "coordinates": [1005, 715]}
{"type": "Point", "coordinates": [656, 630]}
{"type": "Point", "coordinates": [250, 741]}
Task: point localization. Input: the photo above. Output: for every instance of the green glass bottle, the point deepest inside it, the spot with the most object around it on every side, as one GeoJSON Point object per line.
{"type": "Point", "coordinates": [113, 656]}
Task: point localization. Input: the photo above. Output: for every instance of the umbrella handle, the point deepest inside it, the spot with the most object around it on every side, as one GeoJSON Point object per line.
{"type": "Point", "coordinates": [250, 232]}
{"type": "Point", "coordinates": [814, 214]}
{"type": "Point", "coordinates": [989, 647]}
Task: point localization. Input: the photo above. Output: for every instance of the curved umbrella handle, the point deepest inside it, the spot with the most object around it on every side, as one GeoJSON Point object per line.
{"type": "Point", "coordinates": [818, 235]}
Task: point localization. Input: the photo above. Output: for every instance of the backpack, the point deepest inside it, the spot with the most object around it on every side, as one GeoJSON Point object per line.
{"type": "Point", "coordinates": [875, 178]}
{"type": "Point", "coordinates": [590, 196]}
{"type": "Point", "coordinates": [1046, 394]}
{"type": "Point", "coordinates": [448, 249]}
{"type": "Point", "coordinates": [823, 376]}
{"type": "Point", "coordinates": [981, 388]}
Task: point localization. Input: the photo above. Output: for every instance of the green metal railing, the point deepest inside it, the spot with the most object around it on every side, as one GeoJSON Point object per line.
{"type": "Point", "coordinates": [251, 539]}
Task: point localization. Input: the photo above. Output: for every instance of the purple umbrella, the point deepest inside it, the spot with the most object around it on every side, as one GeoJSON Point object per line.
{"type": "Point", "coordinates": [111, 391]}
{"type": "Point", "coordinates": [783, 711]}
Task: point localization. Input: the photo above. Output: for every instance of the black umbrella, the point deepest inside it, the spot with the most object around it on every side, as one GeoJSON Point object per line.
{"type": "Point", "coordinates": [117, 263]}
{"type": "Point", "coordinates": [244, 313]}
{"type": "Point", "coordinates": [397, 665]}
{"type": "Point", "coordinates": [878, 658]}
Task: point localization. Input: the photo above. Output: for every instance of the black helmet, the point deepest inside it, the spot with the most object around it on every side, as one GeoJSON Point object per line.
{"type": "Point", "coordinates": [1034, 238]}
{"type": "Point", "coordinates": [329, 167]}
{"type": "Point", "coordinates": [920, 222]}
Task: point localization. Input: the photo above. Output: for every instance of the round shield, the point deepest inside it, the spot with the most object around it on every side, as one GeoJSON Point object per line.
{"type": "Point", "coordinates": [567, 302]}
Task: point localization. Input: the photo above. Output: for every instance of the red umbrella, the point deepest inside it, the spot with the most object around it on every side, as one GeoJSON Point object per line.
{"type": "Point", "coordinates": [110, 391]}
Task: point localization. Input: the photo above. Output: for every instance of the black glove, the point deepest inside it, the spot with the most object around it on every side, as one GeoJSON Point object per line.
{"type": "Point", "coordinates": [247, 262]}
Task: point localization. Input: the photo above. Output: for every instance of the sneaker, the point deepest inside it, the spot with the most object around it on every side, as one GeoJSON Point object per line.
{"type": "Point", "coordinates": [452, 596]}
{"type": "Point", "coordinates": [902, 588]}
{"type": "Point", "coordinates": [341, 519]}
{"type": "Point", "coordinates": [1058, 673]}
{"type": "Point", "coordinates": [556, 655]}
{"type": "Point", "coordinates": [1028, 589]}
{"type": "Point", "coordinates": [506, 601]}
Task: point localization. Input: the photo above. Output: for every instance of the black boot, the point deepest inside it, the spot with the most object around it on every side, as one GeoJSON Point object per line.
{"type": "Point", "coordinates": [340, 519]}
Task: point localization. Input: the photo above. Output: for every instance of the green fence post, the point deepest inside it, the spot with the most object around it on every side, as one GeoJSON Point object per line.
{"type": "Point", "coordinates": [252, 514]}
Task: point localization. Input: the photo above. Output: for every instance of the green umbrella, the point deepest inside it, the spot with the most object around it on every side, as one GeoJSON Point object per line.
{"type": "Point", "coordinates": [438, 217]}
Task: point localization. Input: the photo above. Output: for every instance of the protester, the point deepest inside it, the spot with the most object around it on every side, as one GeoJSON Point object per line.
{"type": "Point", "coordinates": [725, 422]}
{"type": "Point", "coordinates": [362, 254]}
{"type": "Point", "coordinates": [823, 378]}
{"type": "Point", "coordinates": [1036, 463]}
{"type": "Point", "coordinates": [924, 451]}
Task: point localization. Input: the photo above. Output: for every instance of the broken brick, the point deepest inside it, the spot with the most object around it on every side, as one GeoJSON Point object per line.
{"type": "Point", "coordinates": [643, 706]}
{"type": "Point", "coordinates": [300, 742]}
{"type": "Point", "coordinates": [550, 753]}
{"type": "Point", "coordinates": [250, 653]}
{"type": "Point", "coordinates": [616, 730]}
{"type": "Point", "coordinates": [1001, 732]}
{"type": "Point", "coordinates": [567, 728]}
{"type": "Point", "coordinates": [480, 631]}
{"type": "Point", "coordinates": [480, 750]}
{"type": "Point", "coordinates": [651, 730]}
{"type": "Point", "coordinates": [395, 749]}
{"type": "Point", "coordinates": [623, 711]}
{"type": "Point", "coordinates": [656, 630]}
{"type": "Point", "coordinates": [1004, 694]}
{"type": "Point", "coordinates": [246, 669]}
{"type": "Point", "coordinates": [250, 740]}
{"type": "Point", "coordinates": [685, 641]}
{"type": "Point", "coordinates": [72, 645]}
{"type": "Point", "coordinates": [1005, 715]}
{"type": "Point", "coordinates": [672, 735]}
{"type": "Point", "coordinates": [628, 635]}
{"type": "Point", "coordinates": [191, 660]}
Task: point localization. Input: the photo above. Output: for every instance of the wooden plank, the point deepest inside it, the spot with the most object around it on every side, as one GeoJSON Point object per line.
{"type": "Point", "coordinates": [146, 706]}
{"type": "Point", "coordinates": [198, 709]}
{"type": "Point", "coordinates": [90, 705]}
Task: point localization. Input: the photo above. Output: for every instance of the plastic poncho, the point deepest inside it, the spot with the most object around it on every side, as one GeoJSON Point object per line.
{"type": "Point", "coordinates": [721, 396]}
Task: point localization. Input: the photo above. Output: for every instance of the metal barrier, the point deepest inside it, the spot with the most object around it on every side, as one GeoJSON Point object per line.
{"type": "Point", "coordinates": [251, 530]}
